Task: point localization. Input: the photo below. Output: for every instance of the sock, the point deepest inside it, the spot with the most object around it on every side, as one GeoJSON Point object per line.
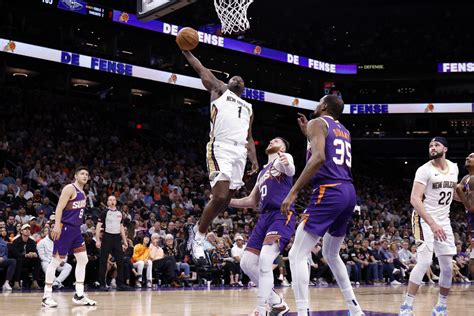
{"type": "Point", "coordinates": [409, 299]}
{"type": "Point", "coordinates": [442, 299]}
{"type": "Point", "coordinates": [80, 289]}
{"type": "Point", "coordinates": [48, 290]}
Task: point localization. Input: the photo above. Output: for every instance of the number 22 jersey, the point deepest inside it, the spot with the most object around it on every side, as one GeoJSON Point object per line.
{"type": "Point", "coordinates": [439, 189]}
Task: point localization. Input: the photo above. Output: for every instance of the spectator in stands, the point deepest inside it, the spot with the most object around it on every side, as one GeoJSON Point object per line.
{"type": "Point", "coordinates": [41, 220]}
{"type": "Point", "coordinates": [46, 207]}
{"type": "Point", "coordinates": [221, 259]}
{"type": "Point", "coordinates": [34, 227]}
{"type": "Point", "coordinates": [141, 260]}
{"type": "Point", "coordinates": [88, 225]}
{"type": "Point", "coordinates": [11, 226]}
{"type": "Point", "coordinates": [30, 209]}
{"type": "Point", "coordinates": [22, 218]}
{"type": "Point", "coordinates": [26, 255]}
{"type": "Point", "coordinates": [4, 234]}
{"type": "Point", "coordinates": [45, 252]}
{"type": "Point", "coordinates": [9, 195]}
{"type": "Point", "coordinates": [163, 263]}
{"type": "Point", "coordinates": [6, 263]}
{"type": "Point", "coordinates": [210, 243]}
{"type": "Point", "coordinates": [20, 200]}
{"type": "Point", "coordinates": [172, 250]}
{"type": "Point", "coordinates": [36, 200]}
{"type": "Point", "coordinates": [388, 267]}
{"type": "Point", "coordinates": [379, 260]}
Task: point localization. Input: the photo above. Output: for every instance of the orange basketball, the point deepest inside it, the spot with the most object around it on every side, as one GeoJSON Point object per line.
{"type": "Point", "coordinates": [187, 38]}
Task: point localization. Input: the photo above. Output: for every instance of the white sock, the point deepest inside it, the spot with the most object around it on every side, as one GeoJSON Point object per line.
{"type": "Point", "coordinates": [81, 259]}
{"type": "Point", "coordinates": [50, 275]}
{"type": "Point", "coordinates": [409, 299]}
{"type": "Point", "coordinates": [268, 254]}
{"type": "Point", "coordinates": [331, 247]}
{"type": "Point", "coordinates": [442, 299]}
{"type": "Point", "coordinates": [302, 246]}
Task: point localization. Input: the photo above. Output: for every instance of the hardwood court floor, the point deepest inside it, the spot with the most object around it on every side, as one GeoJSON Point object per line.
{"type": "Point", "coordinates": [377, 300]}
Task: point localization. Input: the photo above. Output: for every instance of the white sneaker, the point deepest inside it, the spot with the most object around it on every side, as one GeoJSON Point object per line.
{"type": "Point", "coordinates": [83, 300]}
{"type": "Point", "coordinates": [395, 282]}
{"type": "Point", "coordinates": [285, 283]}
{"type": "Point", "coordinates": [6, 287]}
{"type": "Point", "coordinates": [279, 309]}
{"type": "Point", "coordinates": [148, 284]}
{"type": "Point", "coordinates": [440, 310]}
{"type": "Point", "coordinates": [113, 284]}
{"type": "Point", "coordinates": [251, 284]}
{"type": "Point", "coordinates": [57, 285]}
{"type": "Point", "coordinates": [259, 312]}
{"type": "Point", "coordinates": [197, 245]}
{"type": "Point", "coordinates": [48, 302]}
{"type": "Point", "coordinates": [406, 310]}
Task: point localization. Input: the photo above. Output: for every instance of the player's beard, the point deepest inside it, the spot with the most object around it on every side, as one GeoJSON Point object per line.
{"type": "Point", "coordinates": [436, 156]}
{"type": "Point", "coordinates": [272, 150]}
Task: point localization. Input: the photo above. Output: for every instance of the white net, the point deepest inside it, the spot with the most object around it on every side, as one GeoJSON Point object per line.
{"type": "Point", "coordinates": [233, 15]}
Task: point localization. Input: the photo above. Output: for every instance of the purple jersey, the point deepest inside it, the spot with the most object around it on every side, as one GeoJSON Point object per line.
{"type": "Point", "coordinates": [72, 213]}
{"type": "Point", "coordinates": [338, 155]}
{"type": "Point", "coordinates": [273, 187]}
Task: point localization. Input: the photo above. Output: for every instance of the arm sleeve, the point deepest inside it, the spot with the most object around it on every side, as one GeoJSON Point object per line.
{"type": "Point", "coordinates": [288, 170]}
{"type": "Point", "coordinates": [422, 175]}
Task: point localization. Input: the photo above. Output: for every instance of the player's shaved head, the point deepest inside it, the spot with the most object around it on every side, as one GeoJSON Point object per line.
{"type": "Point", "coordinates": [335, 105]}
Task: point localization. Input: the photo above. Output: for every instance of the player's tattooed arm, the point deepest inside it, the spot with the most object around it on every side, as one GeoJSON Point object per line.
{"type": "Point", "coordinates": [248, 201]}
{"type": "Point", "coordinates": [210, 82]}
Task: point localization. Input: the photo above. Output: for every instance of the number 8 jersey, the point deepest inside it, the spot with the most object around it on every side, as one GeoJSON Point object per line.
{"type": "Point", "coordinates": [337, 166]}
{"type": "Point", "coordinates": [439, 189]}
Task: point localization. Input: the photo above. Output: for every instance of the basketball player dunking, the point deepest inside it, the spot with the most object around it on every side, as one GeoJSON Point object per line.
{"type": "Point", "coordinates": [465, 191]}
{"type": "Point", "coordinates": [431, 196]}
{"type": "Point", "coordinates": [332, 202]}
{"type": "Point", "coordinates": [230, 143]}
{"type": "Point", "coordinates": [68, 238]}
{"type": "Point", "coordinates": [273, 230]}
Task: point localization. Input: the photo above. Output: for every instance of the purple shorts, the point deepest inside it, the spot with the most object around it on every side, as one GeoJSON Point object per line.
{"type": "Point", "coordinates": [70, 239]}
{"type": "Point", "coordinates": [270, 224]}
{"type": "Point", "coordinates": [330, 209]}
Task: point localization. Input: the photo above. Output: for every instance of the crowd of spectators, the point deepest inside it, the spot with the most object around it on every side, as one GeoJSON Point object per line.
{"type": "Point", "coordinates": [161, 190]}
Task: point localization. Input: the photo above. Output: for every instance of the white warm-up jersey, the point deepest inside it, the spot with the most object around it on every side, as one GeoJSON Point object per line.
{"type": "Point", "coordinates": [439, 191]}
{"type": "Point", "coordinates": [230, 118]}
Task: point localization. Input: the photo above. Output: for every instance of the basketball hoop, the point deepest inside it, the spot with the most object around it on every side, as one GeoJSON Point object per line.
{"type": "Point", "coordinates": [233, 15]}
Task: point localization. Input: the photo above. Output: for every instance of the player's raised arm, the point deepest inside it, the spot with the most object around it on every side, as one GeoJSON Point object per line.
{"type": "Point", "coordinates": [66, 194]}
{"type": "Point", "coordinates": [248, 201]}
{"type": "Point", "coordinates": [285, 164]}
{"type": "Point", "coordinates": [210, 82]}
{"type": "Point", "coordinates": [251, 151]}
{"type": "Point", "coordinates": [317, 131]}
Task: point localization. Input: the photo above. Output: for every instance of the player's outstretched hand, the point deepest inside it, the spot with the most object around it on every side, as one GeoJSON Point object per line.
{"type": "Point", "coordinates": [283, 159]}
{"type": "Point", "coordinates": [56, 232]}
{"type": "Point", "coordinates": [438, 232]}
{"type": "Point", "coordinates": [254, 169]}
{"type": "Point", "coordinates": [286, 205]}
{"type": "Point", "coordinates": [303, 123]}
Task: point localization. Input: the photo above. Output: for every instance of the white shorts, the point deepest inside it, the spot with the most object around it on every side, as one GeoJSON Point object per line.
{"type": "Point", "coordinates": [226, 162]}
{"type": "Point", "coordinates": [425, 238]}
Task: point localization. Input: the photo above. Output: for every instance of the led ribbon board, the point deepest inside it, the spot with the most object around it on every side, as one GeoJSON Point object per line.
{"type": "Point", "coordinates": [129, 70]}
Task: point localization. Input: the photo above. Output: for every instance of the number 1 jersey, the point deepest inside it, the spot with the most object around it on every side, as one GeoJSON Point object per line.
{"type": "Point", "coordinates": [230, 119]}
{"type": "Point", "coordinates": [439, 189]}
{"type": "Point", "coordinates": [337, 166]}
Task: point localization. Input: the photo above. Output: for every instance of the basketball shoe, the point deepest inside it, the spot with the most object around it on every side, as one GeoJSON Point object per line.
{"type": "Point", "coordinates": [440, 310]}
{"type": "Point", "coordinates": [406, 310]}
{"type": "Point", "coordinates": [83, 300]}
{"type": "Point", "coordinates": [48, 302]}
{"type": "Point", "coordinates": [197, 249]}
{"type": "Point", "coordinates": [279, 309]}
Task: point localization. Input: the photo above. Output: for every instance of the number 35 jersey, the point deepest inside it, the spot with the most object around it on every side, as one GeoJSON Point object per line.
{"type": "Point", "coordinates": [230, 119]}
{"type": "Point", "coordinates": [439, 189]}
{"type": "Point", "coordinates": [337, 166]}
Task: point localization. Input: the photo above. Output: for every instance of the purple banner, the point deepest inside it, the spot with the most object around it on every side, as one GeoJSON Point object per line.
{"type": "Point", "coordinates": [247, 48]}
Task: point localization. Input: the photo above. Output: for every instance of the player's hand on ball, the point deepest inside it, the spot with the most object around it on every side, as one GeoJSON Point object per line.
{"type": "Point", "coordinates": [438, 232]}
{"type": "Point", "coordinates": [56, 232]}
{"type": "Point", "coordinates": [283, 159]}
{"type": "Point", "coordinates": [286, 205]}
{"type": "Point", "coordinates": [303, 123]}
{"type": "Point", "coordinates": [254, 169]}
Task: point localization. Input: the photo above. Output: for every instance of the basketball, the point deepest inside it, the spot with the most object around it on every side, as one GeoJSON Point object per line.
{"type": "Point", "coordinates": [187, 38]}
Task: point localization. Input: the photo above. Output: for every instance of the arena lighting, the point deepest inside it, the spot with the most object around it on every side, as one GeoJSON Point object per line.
{"type": "Point", "coordinates": [20, 74]}
{"type": "Point", "coordinates": [127, 52]}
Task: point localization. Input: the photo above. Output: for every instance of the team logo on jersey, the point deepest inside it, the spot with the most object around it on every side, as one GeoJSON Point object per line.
{"type": "Point", "coordinates": [79, 204]}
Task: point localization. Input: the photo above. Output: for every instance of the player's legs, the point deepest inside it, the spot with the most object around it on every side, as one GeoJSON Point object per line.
{"type": "Point", "coordinates": [105, 250]}
{"type": "Point", "coordinates": [268, 255]}
{"type": "Point", "coordinates": [50, 275]}
{"type": "Point", "coordinates": [221, 196]}
{"type": "Point", "coordinates": [81, 263]}
{"type": "Point", "coordinates": [301, 249]}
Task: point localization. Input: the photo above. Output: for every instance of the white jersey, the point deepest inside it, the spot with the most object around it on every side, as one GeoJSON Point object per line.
{"type": "Point", "coordinates": [439, 191]}
{"type": "Point", "coordinates": [230, 119]}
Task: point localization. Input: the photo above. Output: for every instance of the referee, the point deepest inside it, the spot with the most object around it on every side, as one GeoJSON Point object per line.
{"type": "Point", "coordinates": [112, 221]}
